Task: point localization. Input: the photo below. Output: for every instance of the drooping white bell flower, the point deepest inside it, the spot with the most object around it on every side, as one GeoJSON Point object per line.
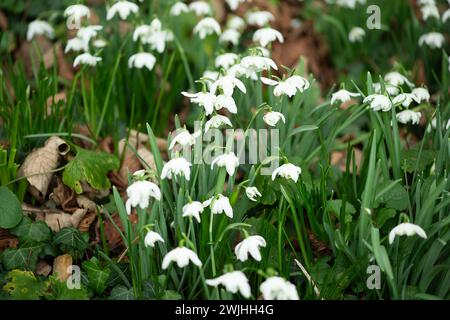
{"type": "Point", "coordinates": [289, 87]}
{"type": "Point", "coordinates": [203, 99]}
{"type": "Point", "coordinates": [207, 26]}
{"type": "Point", "coordinates": [249, 245]}
{"type": "Point", "coordinates": [265, 36]}
{"type": "Point", "coordinates": [252, 64]}
{"type": "Point", "coordinates": [271, 118]}
{"type": "Point", "coordinates": [234, 4]}
{"type": "Point", "coordinates": [277, 288]}
{"type": "Point", "coordinates": [77, 12]}
{"type": "Point", "coordinates": [89, 32]}
{"type": "Point", "coordinates": [181, 256]}
{"type": "Point", "coordinates": [378, 102]}
{"type": "Point", "coordinates": [446, 16]}
{"type": "Point", "coordinates": [184, 138]}
{"type": "Point", "coordinates": [287, 171]}
{"type": "Point", "coordinates": [176, 167]}
{"type": "Point", "coordinates": [86, 59]}
{"type": "Point", "coordinates": [407, 116]}
{"type": "Point", "coordinates": [219, 204]}
{"type": "Point", "coordinates": [227, 84]}
{"type": "Point", "coordinates": [217, 121]}
{"type": "Point", "coordinates": [421, 94]}
{"type": "Point", "coordinates": [230, 36]}
{"type": "Point", "coordinates": [342, 96]}
{"type": "Point", "coordinates": [178, 8]}
{"type": "Point", "coordinates": [434, 40]}
{"type": "Point", "coordinates": [151, 238]}
{"type": "Point", "coordinates": [228, 160]}
{"type": "Point", "coordinates": [236, 23]}
{"type": "Point", "coordinates": [153, 35]}
{"type": "Point", "coordinates": [349, 4]}
{"type": "Point", "coordinates": [252, 193]}
{"type": "Point", "coordinates": [76, 44]}
{"type": "Point", "coordinates": [211, 75]}
{"type": "Point", "coordinates": [405, 99]}
{"type": "Point", "coordinates": [122, 8]}
{"type": "Point", "coordinates": [200, 8]}
{"type": "Point", "coordinates": [142, 59]}
{"type": "Point", "coordinates": [390, 89]}
{"type": "Point", "coordinates": [226, 60]}
{"type": "Point", "coordinates": [356, 34]}
{"type": "Point", "coordinates": [429, 11]}
{"type": "Point", "coordinates": [99, 43]}
{"type": "Point", "coordinates": [227, 102]}
{"type": "Point", "coordinates": [397, 79]}
{"type": "Point", "coordinates": [259, 18]}
{"type": "Point", "coordinates": [139, 193]}
{"type": "Point", "coordinates": [408, 229]}
{"type": "Point", "coordinates": [39, 28]}
{"type": "Point", "coordinates": [233, 282]}
{"type": "Point", "coordinates": [193, 209]}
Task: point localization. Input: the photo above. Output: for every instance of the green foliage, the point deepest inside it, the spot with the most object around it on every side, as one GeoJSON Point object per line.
{"type": "Point", "coordinates": [32, 231]}
{"type": "Point", "coordinates": [121, 293]}
{"type": "Point", "coordinates": [97, 274]}
{"type": "Point", "coordinates": [23, 285]}
{"type": "Point", "coordinates": [23, 257]}
{"type": "Point", "coordinates": [58, 290]}
{"type": "Point", "coordinates": [71, 240]}
{"type": "Point", "coordinates": [10, 209]}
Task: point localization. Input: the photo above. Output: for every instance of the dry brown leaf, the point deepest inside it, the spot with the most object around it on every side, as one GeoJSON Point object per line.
{"type": "Point", "coordinates": [3, 21]}
{"type": "Point", "coordinates": [57, 221]}
{"type": "Point", "coordinates": [53, 101]}
{"type": "Point", "coordinates": [7, 240]}
{"type": "Point", "coordinates": [61, 267]}
{"type": "Point", "coordinates": [64, 197]}
{"type": "Point", "coordinates": [29, 55]}
{"type": "Point", "coordinates": [43, 268]}
{"type": "Point", "coordinates": [87, 221]}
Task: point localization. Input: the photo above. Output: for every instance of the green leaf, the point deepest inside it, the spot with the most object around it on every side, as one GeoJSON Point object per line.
{"type": "Point", "coordinates": [416, 157]}
{"type": "Point", "coordinates": [70, 240]}
{"type": "Point", "coordinates": [396, 197]}
{"type": "Point", "coordinates": [24, 257]}
{"type": "Point", "coordinates": [98, 276]}
{"type": "Point", "coordinates": [10, 209]}
{"type": "Point", "coordinates": [28, 230]}
{"type": "Point", "coordinates": [121, 293]}
{"type": "Point", "coordinates": [171, 295]}
{"type": "Point", "coordinates": [335, 207]}
{"type": "Point", "coordinates": [60, 291]}
{"type": "Point", "coordinates": [91, 167]}
{"type": "Point", "coordinates": [23, 285]}
{"type": "Point", "coordinates": [384, 215]}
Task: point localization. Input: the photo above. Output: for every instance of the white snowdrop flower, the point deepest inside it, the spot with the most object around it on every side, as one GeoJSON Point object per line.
{"type": "Point", "coordinates": [151, 238]}
{"type": "Point", "coordinates": [77, 11]}
{"type": "Point", "coordinates": [184, 138]}
{"type": "Point", "coordinates": [211, 75]}
{"type": "Point", "coordinates": [230, 36]}
{"type": "Point", "coordinates": [122, 8]}
{"type": "Point", "coordinates": [88, 32]}
{"type": "Point", "coordinates": [228, 160]}
{"type": "Point", "coordinates": [76, 44]}
{"type": "Point", "coordinates": [277, 288]}
{"type": "Point", "coordinates": [289, 87]}
{"type": "Point", "coordinates": [434, 40]}
{"type": "Point", "coordinates": [193, 209]}
{"type": "Point", "coordinates": [178, 8]}
{"type": "Point", "coordinates": [426, 2]}
{"type": "Point", "coordinates": [342, 96]}
{"type": "Point", "coordinates": [421, 94]}
{"type": "Point", "coordinates": [141, 32]}
{"type": "Point", "coordinates": [273, 117]}
{"type": "Point", "coordinates": [254, 64]}
{"type": "Point", "coordinates": [237, 71]}
{"type": "Point", "coordinates": [391, 90]}
{"type": "Point", "coordinates": [434, 124]}
{"type": "Point", "coordinates": [405, 99]}
{"type": "Point", "coordinates": [356, 34]}
{"type": "Point", "coordinates": [203, 99]}
{"type": "Point", "coordinates": [249, 245]}
{"type": "Point", "coordinates": [287, 171]}
{"type": "Point", "coordinates": [378, 102]}
{"type": "Point", "coordinates": [99, 43]}
{"type": "Point", "coordinates": [38, 28]}
{"type": "Point", "coordinates": [227, 102]}
{"type": "Point", "coordinates": [153, 35]}
{"type": "Point", "coordinates": [181, 256]}
{"type": "Point", "coordinates": [139, 194]}
{"type": "Point", "coordinates": [252, 193]}
{"type": "Point", "coordinates": [226, 60]}
{"type": "Point", "coordinates": [397, 79]}
{"type": "Point", "coordinates": [207, 26]}
{"type": "Point", "coordinates": [265, 36]}
{"type": "Point", "coordinates": [200, 8]}
{"type": "Point", "coordinates": [263, 51]}
{"type": "Point", "coordinates": [259, 18]}
{"type": "Point", "coordinates": [142, 59]}
{"type": "Point", "coordinates": [233, 282]}
{"type": "Point", "coordinates": [234, 4]}
{"type": "Point", "coordinates": [236, 23]}
{"type": "Point", "coordinates": [429, 11]}
{"type": "Point", "coordinates": [216, 121]}
{"type": "Point", "coordinates": [408, 229]}
{"type": "Point", "coordinates": [219, 204]}
{"type": "Point", "coordinates": [86, 59]}
{"type": "Point", "coordinates": [227, 84]}
{"type": "Point", "coordinates": [446, 16]}
{"type": "Point", "coordinates": [176, 167]}
{"type": "Point", "coordinates": [349, 4]}
{"type": "Point", "coordinates": [407, 116]}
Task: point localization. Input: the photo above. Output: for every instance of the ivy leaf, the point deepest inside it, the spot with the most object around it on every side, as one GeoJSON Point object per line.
{"type": "Point", "coordinates": [121, 293]}
{"type": "Point", "coordinates": [28, 230]}
{"type": "Point", "coordinates": [23, 285]}
{"type": "Point", "coordinates": [91, 167]}
{"type": "Point", "coordinates": [60, 291]}
{"type": "Point", "coordinates": [70, 240]}
{"type": "Point", "coordinates": [410, 158]}
{"type": "Point", "coordinates": [98, 276]}
{"type": "Point", "coordinates": [24, 257]}
{"type": "Point", "coordinates": [10, 209]}
{"type": "Point", "coordinates": [396, 198]}
{"type": "Point", "coordinates": [171, 295]}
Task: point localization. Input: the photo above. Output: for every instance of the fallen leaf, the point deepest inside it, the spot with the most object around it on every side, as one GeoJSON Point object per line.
{"type": "Point", "coordinates": [7, 240]}
{"type": "Point", "coordinates": [3, 21]}
{"type": "Point", "coordinates": [61, 266]}
{"type": "Point", "coordinates": [43, 268]}
{"type": "Point", "coordinates": [53, 102]}
{"type": "Point", "coordinates": [57, 221]}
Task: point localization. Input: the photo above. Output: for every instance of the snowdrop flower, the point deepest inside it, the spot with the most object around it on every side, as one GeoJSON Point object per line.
{"type": "Point", "coordinates": [184, 138]}
{"type": "Point", "coordinates": [249, 245]}
{"type": "Point", "coordinates": [89, 32]}
{"type": "Point", "coordinates": [178, 8]}
{"type": "Point", "coordinates": [405, 99]}
{"type": "Point", "coordinates": [207, 26]}
{"type": "Point", "coordinates": [426, 2]}
{"type": "Point", "coordinates": [151, 237]}
{"type": "Point", "coordinates": [233, 282]}
{"type": "Point", "coordinates": [227, 84]}
{"type": "Point", "coordinates": [38, 28]}
{"type": "Point", "coordinates": [252, 193]}
{"type": "Point", "coordinates": [342, 96]}
{"type": "Point", "coordinates": [230, 36]}
{"type": "Point", "coordinates": [406, 116]}
{"type": "Point", "coordinates": [350, 4]}
{"type": "Point", "coordinates": [429, 11]}
{"type": "Point", "coordinates": [182, 256]}
{"type": "Point", "coordinates": [142, 59]}
{"type": "Point", "coordinates": [254, 64]}
{"type": "Point", "coordinates": [141, 32]}
{"type": "Point", "coordinates": [397, 79]}
{"type": "Point", "coordinates": [203, 99]}
{"type": "Point", "coordinates": [193, 209]}
{"type": "Point", "coordinates": [86, 59]}
{"type": "Point", "coordinates": [139, 194]}
{"type": "Point", "coordinates": [446, 16]}
{"type": "Point", "coordinates": [391, 90]}
{"type": "Point", "coordinates": [200, 8]}
{"type": "Point", "coordinates": [434, 124]}
{"type": "Point", "coordinates": [99, 43]}
{"type": "Point", "coordinates": [217, 121]}
{"type": "Point", "coordinates": [356, 34]}
{"type": "Point", "coordinates": [123, 8]}
{"type": "Point", "coordinates": [175, 167]}
{"type": "Point", "coordinates": [228, 160]}
{"type": "Point", "coordinates": [271, 118]}
{"type": "Point", "coordinates": [226, 60]}
{"type": "Point", "coordinates": [236, 23]}
{"type": "Point", "coordinates": [378, 102]}
{"type": "Point", "coordinates": [434, 40]}
{"type": "Point", "coordinates": [287, 171]}
{"type": "Point", "coordinates": [408, 229]}
{"type": "Point", "coordinates": [219, 204]}
{"type": "Point", "coordinates": [154, 35]}
{"type": "Point", "coordinates": [227, 102]}
{"type": "Point", "coordinates": [277, 288]}
{"type": "Point", "coordinates": [259, 18]}
{"type": "Point", "coordinates": [290, 86]}
{"type": "Point", "coordinates": [211, 75]}
{"type": "Point", "coordinates": [77, 11]}
{"type": "Point", "coordinates": [76, 44]}
{"type": "Point", "coordinates": [265, 36]}
{"type": "Point", "coordinates": [421, 94]}
{"type": "Point", "coordinates": [234, 4]}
